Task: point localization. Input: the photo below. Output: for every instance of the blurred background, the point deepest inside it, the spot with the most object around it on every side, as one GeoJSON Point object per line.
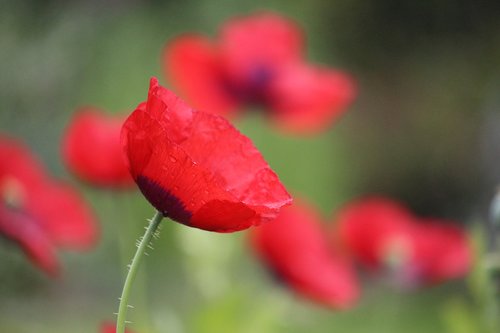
{"type": "Point", "coordinates": [425, 129]}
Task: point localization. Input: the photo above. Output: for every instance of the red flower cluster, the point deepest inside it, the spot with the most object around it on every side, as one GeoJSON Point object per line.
{"type": "Point", "coordinates": [196, 168]}
{"type": "Point", "coordinates": [91, 149]}
{"type": "Point", "coordinates": [38, 213]}
{"type": "Point", "coordinates": [379, 232]}
{"type": "Point", "coordinates": [258, 60]}
{"type": "Point", "coordinates": [296, 248]}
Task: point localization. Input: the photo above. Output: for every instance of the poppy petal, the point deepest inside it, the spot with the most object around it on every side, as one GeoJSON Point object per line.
{"type": "Point", "coordinates": [193, 65]}
{"type": "Point", "coordinates": [371, 229]}
{"type": "Point", "coordinates": [32, 239]}
{"type": "Point", "coordinates": [63, 215]}
{"type": "Point", "coordinates": [92, 150]}
{"type": "Point", "coordinates": [307, 99]}
{"type": "Point", "coordinates": [17, 163]}
{"type": "Point", "coordinates": [261, 41]}
{"type": "Point", "coordinates": [442, 251]}
{"type": "Point", "coordinates": [189, 164]}
{"type": "Point", "coordinates": [295, 247]}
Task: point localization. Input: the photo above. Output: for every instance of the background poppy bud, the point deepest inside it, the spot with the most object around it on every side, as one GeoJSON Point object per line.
{"type": "Point", "coordinates": [91, 149]}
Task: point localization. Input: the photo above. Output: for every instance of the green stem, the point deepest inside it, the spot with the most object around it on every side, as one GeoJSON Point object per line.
{"type": "Point", "coordinates": [141, 248]}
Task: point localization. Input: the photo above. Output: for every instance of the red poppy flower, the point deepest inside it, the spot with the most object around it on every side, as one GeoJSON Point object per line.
{"type": "Point", "coordinates": [296, 248]}
{"type": "Point", "coordinates": [258, 60]}
{"type": "Point", "coordinates": [196, 168]}
{"type": "Point", "coordinates": [381, 233]}
{"type": "Point", "coordinates": [111, 328]}
{"type": "Point", "coordinates": [38, 213]}
{"type": "Point", "coordinates": [92, 150]}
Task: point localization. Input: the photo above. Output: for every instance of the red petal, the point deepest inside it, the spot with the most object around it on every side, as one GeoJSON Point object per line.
{"type": "Point", "coordinates": [296, 248]}
{"type": "Point", "coordinates": [192, 166]}
{"type": "Point", "coordinates": [32, 239]}
{"type": "Point", "coordinates": [373, 229]}
{"type": "Point", "coordinates": [194, 66]}
{"type": "Point", "coordinates": [63, 215]}
{"type": "Point", "coordinates": [92, 150]}
{"type": "Point", "coordinates": [263, 40]}
{"type": "Point", "coordinates": [308, 99]}
{"type": "Point", "coordinates": [442, 251]}
{"type": "Point", "coordinates": [17, 163]}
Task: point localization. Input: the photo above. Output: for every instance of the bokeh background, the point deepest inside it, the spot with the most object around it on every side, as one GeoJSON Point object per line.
{"type": "Point", "coordinates": [425, 129]}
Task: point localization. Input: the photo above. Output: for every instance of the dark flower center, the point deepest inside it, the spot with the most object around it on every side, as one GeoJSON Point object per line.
{"type": "Point", "coordinates": [254, 89]}
{"type": "Point", "coordinates": [167, 203]}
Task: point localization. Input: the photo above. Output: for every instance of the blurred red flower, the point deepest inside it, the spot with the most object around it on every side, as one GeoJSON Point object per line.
{"type": "Point", "coordinates": [196, 168]}
{"type": "Point", "coordinates": [258, 60]}
{"type": "Point", "coordinates": [111, 328]}
{"type": "Point", "coordinates": [295, 247]}
{"type": "Point", "coordinates": [381, 233]}
{"type": "Point", "coordinates": [91, 149]}
{"type": "Point", "coordinates": [38, 213]}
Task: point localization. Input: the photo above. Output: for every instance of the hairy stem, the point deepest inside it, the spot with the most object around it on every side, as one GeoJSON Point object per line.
{"type": "Point", "coordinates": [141, 248]}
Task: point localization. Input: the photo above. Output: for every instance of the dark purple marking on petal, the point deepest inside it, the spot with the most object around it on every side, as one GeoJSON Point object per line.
{"type": "Point", "coordinates": [254, 89]}
{"type": "Point", "coordinates": [276, 275]}
{"type": "Point", "coordinates": [259, 77]}
{"type": "Point", "coordinates": [167, 203]}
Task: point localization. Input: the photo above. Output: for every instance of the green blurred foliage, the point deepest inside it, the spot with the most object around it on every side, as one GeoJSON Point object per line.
{"type": "Point", "coordinates": [426, 71]}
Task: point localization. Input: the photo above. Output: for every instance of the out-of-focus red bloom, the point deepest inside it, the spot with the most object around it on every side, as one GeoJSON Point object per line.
{"type": "Point", "coordinates": [91, 149]}
{"type": "Point", "coordinates": [38, 213]}
{"type": "Point", "coordinates": [196, 168]}
{"type": "Point", "coordinates": [111, 328]}
{"type": "Point", "coordinates": [258, 60]}
{"type": "Point", "coordinates": [380, 233]}
{"type": "Point", "coordinates": [295, 247]}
